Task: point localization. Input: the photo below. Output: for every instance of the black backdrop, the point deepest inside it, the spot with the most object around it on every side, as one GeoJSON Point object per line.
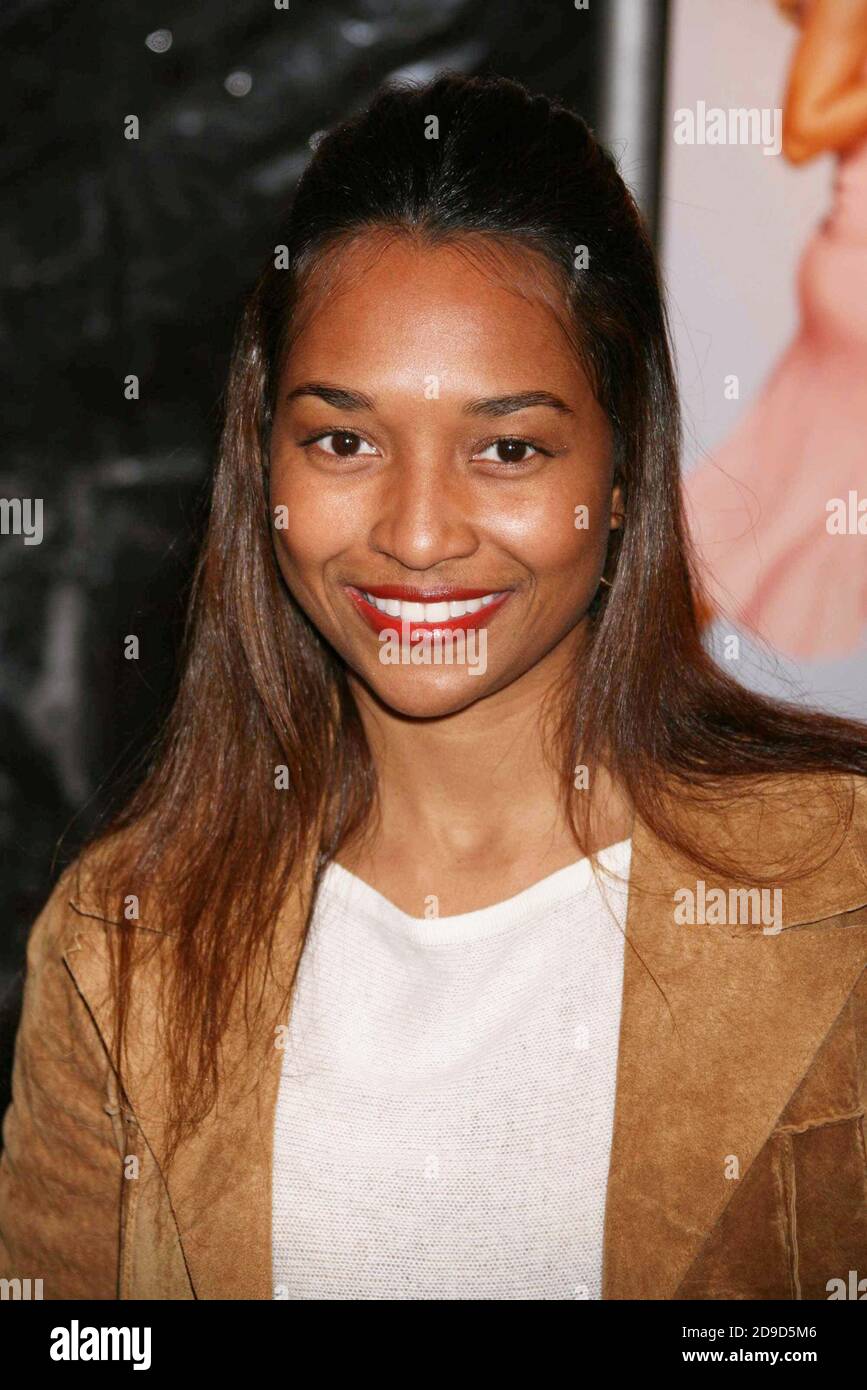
{"type": "Point", "coordinates": [132, 257]}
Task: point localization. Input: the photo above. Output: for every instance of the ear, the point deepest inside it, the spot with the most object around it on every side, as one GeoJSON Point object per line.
{"type": "Point", "coordinates": [617, 507]}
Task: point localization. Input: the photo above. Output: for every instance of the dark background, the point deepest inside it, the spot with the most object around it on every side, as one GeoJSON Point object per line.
{"type": "Point", "coordinates": [133, 257]}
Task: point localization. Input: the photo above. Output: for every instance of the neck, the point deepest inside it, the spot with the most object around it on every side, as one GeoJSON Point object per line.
{"type": "Point", "coordinates": [485, 780]}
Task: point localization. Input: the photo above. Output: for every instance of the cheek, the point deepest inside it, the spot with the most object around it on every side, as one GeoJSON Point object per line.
{"type": "Point", "coordinates": [561, 531]}
{"type": "Point", "coordinates": [311, 523]}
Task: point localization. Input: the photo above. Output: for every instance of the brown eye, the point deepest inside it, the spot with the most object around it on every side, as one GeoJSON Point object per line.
{"type": "Point", "coordinates": [345, 445]}
{"type": "Point", "coordinates": [509, 451]}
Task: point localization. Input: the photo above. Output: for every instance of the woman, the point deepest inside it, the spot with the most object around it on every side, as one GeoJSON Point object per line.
{"type": "Point", "coordinates": [473, 935]}
{"type": "Point", "coordinates": [772, 512]}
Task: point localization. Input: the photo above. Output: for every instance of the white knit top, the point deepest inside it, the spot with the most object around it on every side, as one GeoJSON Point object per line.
{"type": "Point", "coordinates": [443, 1125]}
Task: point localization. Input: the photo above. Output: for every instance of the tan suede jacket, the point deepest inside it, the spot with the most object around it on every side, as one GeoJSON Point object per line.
{"type": "Point", "coordinates": [738, 1164]}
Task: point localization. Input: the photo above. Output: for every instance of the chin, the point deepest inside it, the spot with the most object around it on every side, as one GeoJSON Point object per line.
{"type": "Point", "coordinates": [429, 694]}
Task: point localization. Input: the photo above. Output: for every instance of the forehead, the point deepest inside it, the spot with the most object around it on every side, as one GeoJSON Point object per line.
{"type": "Point", "coordinates": [394, 309]}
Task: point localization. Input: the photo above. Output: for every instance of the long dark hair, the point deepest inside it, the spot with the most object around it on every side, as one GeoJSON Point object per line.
{"type": "Point", "coordinates": [209, 843]}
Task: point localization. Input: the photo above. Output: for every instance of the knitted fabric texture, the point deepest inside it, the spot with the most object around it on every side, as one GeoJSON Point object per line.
{"type": "Point", "coordinates": [446, 1102]}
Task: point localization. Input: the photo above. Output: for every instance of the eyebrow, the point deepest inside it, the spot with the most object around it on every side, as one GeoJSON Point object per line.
{"type": "Point", "coordinates": [492, 407]}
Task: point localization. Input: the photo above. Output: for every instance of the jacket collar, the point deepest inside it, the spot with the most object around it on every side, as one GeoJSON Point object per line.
{"type": "Point", "coordinates": [718, 1026]}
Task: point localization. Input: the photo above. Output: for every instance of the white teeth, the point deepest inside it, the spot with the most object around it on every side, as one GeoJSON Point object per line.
{"type": "Point", "coordinates": [436, 612]}
{"type": "Point", "coordinates": [429, 612]}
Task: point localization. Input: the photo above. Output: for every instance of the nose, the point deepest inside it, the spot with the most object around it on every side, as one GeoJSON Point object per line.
{"type": "Point", "coordinates": [425, 515]}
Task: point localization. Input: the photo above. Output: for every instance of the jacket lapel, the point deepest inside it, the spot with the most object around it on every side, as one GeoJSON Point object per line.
{"type": "Point", "coordinates": [719, 1025]}
{"type": "Point", "coordinates": [219, 1184]}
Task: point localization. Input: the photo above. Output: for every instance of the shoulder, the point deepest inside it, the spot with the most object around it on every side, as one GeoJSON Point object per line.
{"type": "Point", "coordinates": [856, 790]}
{"type": "Point", "coordinates": [780, 809]}
{"type": "Point", "coordinates": [90, 895]}
{"type": "Point", "coordinates": [805, 832]}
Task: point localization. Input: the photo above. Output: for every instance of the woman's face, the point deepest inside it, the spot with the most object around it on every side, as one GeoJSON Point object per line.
{"type": "Point", "coordinates": [436, 443]}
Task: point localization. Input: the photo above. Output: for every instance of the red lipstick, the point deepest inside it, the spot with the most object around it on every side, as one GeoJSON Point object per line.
{"type": "Point", "coordinates": [409, 593]}
{"type": "Point", "coordinates": [442, 595]}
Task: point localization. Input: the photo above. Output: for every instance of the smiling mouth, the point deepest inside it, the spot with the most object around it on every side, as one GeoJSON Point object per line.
{"type": "Point", "coordinates": [388, 607]}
